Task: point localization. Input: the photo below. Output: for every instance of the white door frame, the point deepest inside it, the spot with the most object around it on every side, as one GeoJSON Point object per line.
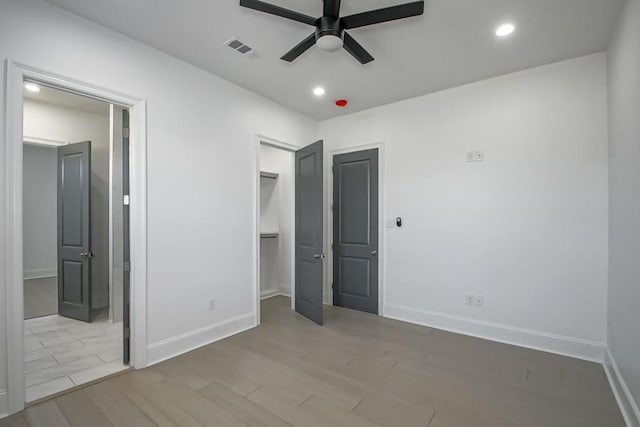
{"type": "Point", "coordinates": [11, 282]}
{"type": "Point", "coordinates": [381, 218]}
{"type": "Point", "coordinates": [281, 145]}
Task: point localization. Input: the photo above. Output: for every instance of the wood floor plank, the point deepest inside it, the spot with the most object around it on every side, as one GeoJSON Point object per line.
{"type": "Point", "coordinates": [15, 420]}
{"type": "Point", "coordinates": [109, 397]}
{"type": "Point", "coordinates": [80, 410]}
{"type": "Point", "coordinates": [242, 408]}
{"type": "Point", "coordinates": [46, 414]}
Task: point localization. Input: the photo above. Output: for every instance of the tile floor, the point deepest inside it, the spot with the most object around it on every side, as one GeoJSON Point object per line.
{"type": "Point", "coordinates": [61, 353]}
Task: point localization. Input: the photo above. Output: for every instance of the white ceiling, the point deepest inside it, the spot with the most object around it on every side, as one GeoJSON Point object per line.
{"type": "Point", "coordinates": [452, 44]}
{"type": "Point", "coordinates": [68, 100]}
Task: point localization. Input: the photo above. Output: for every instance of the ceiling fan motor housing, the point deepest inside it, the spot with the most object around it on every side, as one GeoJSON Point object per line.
{"type": "Point", "coordinates": [329, 34]}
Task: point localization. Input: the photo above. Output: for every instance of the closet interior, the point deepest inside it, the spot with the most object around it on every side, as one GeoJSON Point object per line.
{"type": "Point", "coordinates": [276, 221]}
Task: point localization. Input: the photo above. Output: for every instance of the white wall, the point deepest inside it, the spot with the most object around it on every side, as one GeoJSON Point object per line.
{"type": "Point", "coordinates": [526, 228]}
{"type": "Point", "coordinates": [277, 254]}
{"type": "Point", "coordinates": [40, 211]}
{"type": "Point", "coordinates": [624, 214]}
{"type": "Point", "coordinates": [49, 121]}
{"type": "Point", "coordinates": [201, 161]}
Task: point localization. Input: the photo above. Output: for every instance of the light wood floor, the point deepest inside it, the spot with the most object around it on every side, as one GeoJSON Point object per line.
{"type": "Point", "coordinates": [357, 370]}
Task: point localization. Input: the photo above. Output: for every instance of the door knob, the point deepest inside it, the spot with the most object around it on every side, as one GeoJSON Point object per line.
{"type": "Point", "coordinates": [86, 254]}
{"type": "Point", "coordinates": [319, 256]}
{"type": "Point", "coordinates": [374, 252]}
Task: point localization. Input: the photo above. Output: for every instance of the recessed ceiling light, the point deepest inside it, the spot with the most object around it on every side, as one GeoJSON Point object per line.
{"type": "Point", "coordinates": [318, 91]}
{"type": "Point", "coordinates": [32, 87]}
{"type": "Point", "coordinates": [505, 29]}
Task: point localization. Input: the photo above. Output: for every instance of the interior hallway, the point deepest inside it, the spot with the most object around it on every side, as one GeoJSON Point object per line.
{"type": "Point", "coordinates": [357, 370]}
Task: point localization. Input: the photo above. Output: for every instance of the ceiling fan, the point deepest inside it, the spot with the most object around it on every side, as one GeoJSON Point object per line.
{"type": "Point", "coordinates": [330, 34]}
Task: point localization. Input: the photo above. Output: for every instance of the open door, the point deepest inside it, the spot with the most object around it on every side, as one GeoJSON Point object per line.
{"type": "Point", "coordinates": [74, 236]}
{"type": "Point", "coordinates": [309, 232]}
{"type": "Point", "coordinates": [126, 252]}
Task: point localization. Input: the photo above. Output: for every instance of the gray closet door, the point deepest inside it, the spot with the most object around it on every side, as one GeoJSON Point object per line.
{"type": "Point", "coordinates": [74, 237]}
{"type": "Point", "coordinates": [355, 230]}
{"type": "Point", "coordinates": [309, 231]}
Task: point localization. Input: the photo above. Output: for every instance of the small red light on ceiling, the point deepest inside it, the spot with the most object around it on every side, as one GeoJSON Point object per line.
{"type": "Point", "coordinates": [341, 102]}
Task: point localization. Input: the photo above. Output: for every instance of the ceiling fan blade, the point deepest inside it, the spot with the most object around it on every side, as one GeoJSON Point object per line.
{"type": "Point", "coordinates": [278, 11]}
{"type": "Point", "coordinates": [383, 15]}
{"type": "Point", "coordinates": [331, 8]}
{"type": "Point", "coordinates": [301, 48]}
{"type": "Point", "coordinates": [356, 50]}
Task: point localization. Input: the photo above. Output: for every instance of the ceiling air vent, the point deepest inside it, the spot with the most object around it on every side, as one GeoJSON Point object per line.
{"type": "Point", "coordinates": [242, 48]}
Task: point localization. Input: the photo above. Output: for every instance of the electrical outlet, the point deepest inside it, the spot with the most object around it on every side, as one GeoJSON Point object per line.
{"type": "Point", "coordinates": [212, 304]}
{"type": "Point", "coordinates": [469, 298]}
{"type": "Point", "coordinates": [479, 301]}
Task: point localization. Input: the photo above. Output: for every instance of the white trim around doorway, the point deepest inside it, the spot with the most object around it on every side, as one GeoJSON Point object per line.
{"type": "Point", "coordinates": [281, 145]}
{"type": "Point", "coordinates": [380, 146]}
{"type": "Point", "coordinates": [11, 218]}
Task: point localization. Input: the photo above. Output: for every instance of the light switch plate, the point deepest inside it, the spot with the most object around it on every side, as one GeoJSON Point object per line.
{"type": "Point", "coordinates": [479, 156]}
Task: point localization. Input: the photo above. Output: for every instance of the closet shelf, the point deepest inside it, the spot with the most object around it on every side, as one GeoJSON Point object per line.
{"type": "Point", "coordinates": [269, 175]}
{"type": "Point", "coordinates": [268, 235]}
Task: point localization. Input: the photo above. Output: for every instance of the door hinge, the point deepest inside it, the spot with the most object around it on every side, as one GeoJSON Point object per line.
{"type": "Point", "coordinates": [126, 266]}
{"type": "Point", "coordinates": [125, 200]}
{"type": "Point", "coordinates": [125, 132]}
{"type": "Point", "coordinates": [127, 333]}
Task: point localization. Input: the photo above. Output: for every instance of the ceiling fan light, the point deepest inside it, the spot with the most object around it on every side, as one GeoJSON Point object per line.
{"type": "Point", "coordinates": [329, 43]}
{"type": "Point", "coordinates": [505, 30]}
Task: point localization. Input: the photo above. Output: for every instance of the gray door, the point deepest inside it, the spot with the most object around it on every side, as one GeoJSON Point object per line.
{"type": "Point", "coordinates": [309, 231]}
{"type": "Point", "coordinates": [355, 230]}
{"type": "Point", "coordinates": [74, 237]}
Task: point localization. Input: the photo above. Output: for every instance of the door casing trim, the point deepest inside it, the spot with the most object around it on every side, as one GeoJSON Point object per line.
{"type": "Point", "coordinates": [259, 140]}
{"type": "Point", "coordinates": [11, 169]}
{"type": "Point", "coordinates": [380, 146]}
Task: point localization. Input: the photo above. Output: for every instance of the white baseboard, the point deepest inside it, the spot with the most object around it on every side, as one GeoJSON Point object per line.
{"type": "Point", "coordinates": [566, 346]}
{"type": "Point", "coordinates": [268, 293]}
{"type": "Point", "coordinates": [175, 346]}
{"type": "Point", "coordinates": [4, 404]}
{"type": "Point", "coordinates": [285, 290]}
{"type": "Point", "coordinates": [40, 273]}
{"type": "Point", "coordinates": [628, 406]}
{"type": "Point", "coordinates": [282, 290]}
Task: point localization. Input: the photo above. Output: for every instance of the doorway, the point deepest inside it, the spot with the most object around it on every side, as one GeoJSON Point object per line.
{"type": "Point", "coordinates": [289, 223]}
{"type": "Point", "coordinates": [11, 224]}
{"type": "Point", "coordinates": [72, 334]}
